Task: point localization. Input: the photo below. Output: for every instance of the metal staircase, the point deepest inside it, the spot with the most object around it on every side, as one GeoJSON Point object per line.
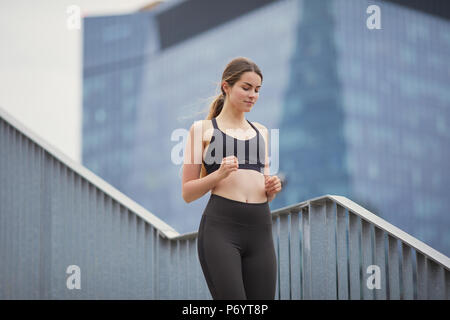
{"type": "Point", "coordinates": [54, 214]}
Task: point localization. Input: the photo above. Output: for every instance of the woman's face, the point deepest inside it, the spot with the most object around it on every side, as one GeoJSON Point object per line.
{"type": "Point", "coordinates": [244, 94]}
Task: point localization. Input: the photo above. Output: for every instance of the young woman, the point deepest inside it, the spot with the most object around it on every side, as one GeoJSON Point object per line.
{"type": "Point", "coordinates": [235, 245]}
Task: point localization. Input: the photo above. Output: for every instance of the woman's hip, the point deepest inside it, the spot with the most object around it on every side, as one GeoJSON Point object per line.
{"type": "Point", "coordinates": [226, 210]}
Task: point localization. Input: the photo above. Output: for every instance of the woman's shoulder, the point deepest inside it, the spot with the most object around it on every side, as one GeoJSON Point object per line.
{"type": "Point", "coordinates": [262, 129]}
{"type": "Point", "coordinates": [204, 127]}
{"type": "Point", "coordinates": [203, 124]}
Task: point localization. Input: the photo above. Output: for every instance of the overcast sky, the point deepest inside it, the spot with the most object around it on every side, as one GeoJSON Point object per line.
{"type": "Point", "coordinates": [40, 65]}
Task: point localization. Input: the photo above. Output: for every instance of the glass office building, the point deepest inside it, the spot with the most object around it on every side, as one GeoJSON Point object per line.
{"type": "Point", "coordinates": [363, 113]}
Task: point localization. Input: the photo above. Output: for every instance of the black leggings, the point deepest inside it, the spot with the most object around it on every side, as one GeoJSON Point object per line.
{"type": "Point", "coordinates": [236, 250]}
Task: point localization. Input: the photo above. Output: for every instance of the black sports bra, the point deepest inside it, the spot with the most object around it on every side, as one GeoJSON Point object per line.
{"type": "Point", "coordinates": [250, 153]}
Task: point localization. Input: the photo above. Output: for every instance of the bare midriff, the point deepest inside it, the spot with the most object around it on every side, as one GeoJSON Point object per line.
{"type": "Point", "coordinates": [243, 185]}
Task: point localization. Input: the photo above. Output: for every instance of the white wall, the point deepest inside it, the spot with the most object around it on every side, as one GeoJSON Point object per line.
{"type": "Point", "coordinates": [40, 65]}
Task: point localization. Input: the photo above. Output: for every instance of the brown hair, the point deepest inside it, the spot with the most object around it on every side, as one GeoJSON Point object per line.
{"type": "Point", "coordinates": [232, 73]}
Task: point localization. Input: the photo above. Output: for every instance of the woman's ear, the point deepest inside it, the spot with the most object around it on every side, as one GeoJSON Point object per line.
{"type": "Point", "coordinates": [225, 87]}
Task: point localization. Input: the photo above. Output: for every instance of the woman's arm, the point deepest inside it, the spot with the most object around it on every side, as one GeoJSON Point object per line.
{"type": "Point", "coordinates": [265, 134]}
{"type": "Point", "coordinates": [271, 197]}
{"type": "Point", "coordinates": [196, 188]}
{"type": "Point", "coordinates": [192, 187]}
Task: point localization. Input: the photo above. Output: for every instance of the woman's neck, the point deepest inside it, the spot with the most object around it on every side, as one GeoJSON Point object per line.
{"type": "Point", "coordinates": [231, 117]}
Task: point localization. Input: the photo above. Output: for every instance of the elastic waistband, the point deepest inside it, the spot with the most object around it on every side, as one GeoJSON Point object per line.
{"type": "Point", "coordinates": [213, 195]}
{"type": "Point", "coordinates": [228, 210]}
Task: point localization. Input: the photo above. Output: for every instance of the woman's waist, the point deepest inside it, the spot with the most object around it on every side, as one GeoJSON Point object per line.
{"type": "Point", "coordinates": [229, 210]}
{"type": "Point", "coordinates": [241, 195]}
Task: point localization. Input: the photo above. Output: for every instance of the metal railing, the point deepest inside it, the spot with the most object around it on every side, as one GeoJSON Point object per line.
{"type": "Point", "coordinates": [54, 213]}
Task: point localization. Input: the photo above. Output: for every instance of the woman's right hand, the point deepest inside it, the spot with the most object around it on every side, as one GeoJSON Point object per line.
{"type": "Point", "coordinates": [228, 165]}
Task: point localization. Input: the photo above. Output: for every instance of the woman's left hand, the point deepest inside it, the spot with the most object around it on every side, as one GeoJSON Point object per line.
{"type": "Point", "coordinates": [273, 185]}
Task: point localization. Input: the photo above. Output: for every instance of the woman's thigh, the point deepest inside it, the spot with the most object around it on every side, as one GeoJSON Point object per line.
{"type": "Point", "coordinates": [220, 259]}
{"type": "Point", "coordinates": [259, 266]}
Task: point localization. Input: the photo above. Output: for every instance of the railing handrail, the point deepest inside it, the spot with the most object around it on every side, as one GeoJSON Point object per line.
{"type": "Point", "coordinates": [170, 233]}
{"type": "Point", "coordinates": [364, 214]}
{"type": "Point", "coordinates": [163, 228]}
{"type": "Point", "coordinates": [392, 230]}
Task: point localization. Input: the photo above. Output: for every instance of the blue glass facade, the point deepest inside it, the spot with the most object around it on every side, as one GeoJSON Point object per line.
{"type": "Point", "coordinates": [361, 113]}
